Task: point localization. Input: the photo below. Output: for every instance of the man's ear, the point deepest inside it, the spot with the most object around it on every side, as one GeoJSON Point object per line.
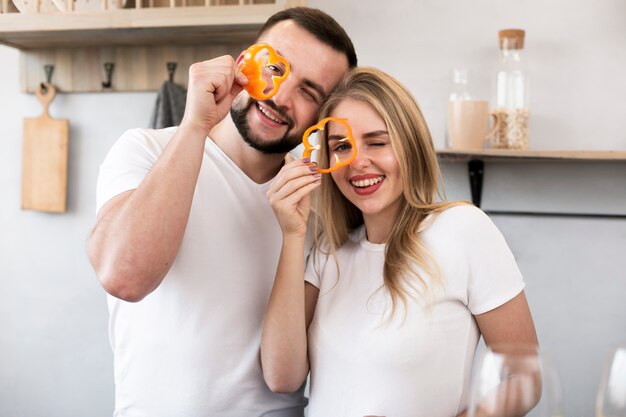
{"type": "Point", "coordinates": [240, 57]}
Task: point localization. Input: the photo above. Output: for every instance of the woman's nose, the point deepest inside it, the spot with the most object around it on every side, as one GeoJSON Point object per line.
{"type": "Point", "coordinates": [361, 160]}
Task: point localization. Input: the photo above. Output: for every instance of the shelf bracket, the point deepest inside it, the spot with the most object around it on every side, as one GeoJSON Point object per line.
{"type": "Point", "coordinates": [476, 169]}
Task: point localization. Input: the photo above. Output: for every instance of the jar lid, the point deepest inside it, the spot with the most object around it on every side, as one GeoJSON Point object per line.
{"type": "Point", "coordinates": [511, 38]}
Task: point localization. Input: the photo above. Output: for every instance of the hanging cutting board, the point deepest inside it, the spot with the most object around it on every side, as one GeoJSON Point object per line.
{"type": "Point", "coordinates": [44, 163]}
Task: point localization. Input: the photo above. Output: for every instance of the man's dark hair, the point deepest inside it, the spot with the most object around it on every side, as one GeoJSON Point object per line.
{"type": "Point", "coordinates": [319, 24]}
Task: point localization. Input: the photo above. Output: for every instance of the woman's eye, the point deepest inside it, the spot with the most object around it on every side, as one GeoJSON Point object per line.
{"type": "Point", "coordinates": [342, 147]}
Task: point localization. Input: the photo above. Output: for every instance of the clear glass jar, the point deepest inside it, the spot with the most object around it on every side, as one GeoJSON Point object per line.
{"type": "Point", "coordinates": [459, 91]}
{"type": "Point", "coordinates": [512, 91]}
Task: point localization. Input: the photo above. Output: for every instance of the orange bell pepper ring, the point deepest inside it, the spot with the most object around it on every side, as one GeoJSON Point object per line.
{"type": "Point", "coordinates": [320, 126]}
{"type": "Point", "coordinates": [253, 68]}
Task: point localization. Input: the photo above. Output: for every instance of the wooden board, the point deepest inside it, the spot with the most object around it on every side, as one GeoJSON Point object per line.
{"type": "Point", "coordinates": [44, 158]}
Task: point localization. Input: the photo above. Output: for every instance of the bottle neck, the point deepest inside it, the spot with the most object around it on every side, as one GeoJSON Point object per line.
{"type": "Point", "coordinates": [459, 90]}
{"type": "Point", "coordinates": [512, 54]}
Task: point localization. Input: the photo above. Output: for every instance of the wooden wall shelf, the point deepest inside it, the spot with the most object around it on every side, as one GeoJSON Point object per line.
{"type": "Point", "coordinates": [476, 168]}
{"type": "Point", "coordinates": [139, 41]}
{"type": "Point", "coordinates": [132, 27]}
{"type": "Point", "coordinates": [526, 155]}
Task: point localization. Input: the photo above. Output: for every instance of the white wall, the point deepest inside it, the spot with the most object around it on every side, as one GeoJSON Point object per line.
{"type": "Point", "coordinates": [55, 360]}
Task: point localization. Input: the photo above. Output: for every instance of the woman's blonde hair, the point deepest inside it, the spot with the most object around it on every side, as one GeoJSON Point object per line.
{"type": "Point", "coordinates": [405, 255]}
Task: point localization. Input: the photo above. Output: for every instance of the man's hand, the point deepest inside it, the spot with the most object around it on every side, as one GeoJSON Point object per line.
{"type": "Point", "coordinates": [212, 87]}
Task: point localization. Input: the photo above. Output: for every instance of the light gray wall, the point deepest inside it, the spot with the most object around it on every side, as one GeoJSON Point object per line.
{"type": "Point", "coordinates": [55, 360]}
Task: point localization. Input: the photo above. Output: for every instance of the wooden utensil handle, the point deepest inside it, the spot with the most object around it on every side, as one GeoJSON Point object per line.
{"type": "Point", "coordinates": [45, 94]}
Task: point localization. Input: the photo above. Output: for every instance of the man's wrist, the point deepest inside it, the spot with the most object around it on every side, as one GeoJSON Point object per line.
{"type": "Point", "coordinates": [195, 130]}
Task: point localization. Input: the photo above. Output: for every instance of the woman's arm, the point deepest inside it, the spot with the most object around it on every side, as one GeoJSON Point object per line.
{"type": "Point", "coordinates": [292, 302]}
{"type": "Point", "coordinates": [511, 324]}
{"type": "Point", "coordinates": [284, 353]}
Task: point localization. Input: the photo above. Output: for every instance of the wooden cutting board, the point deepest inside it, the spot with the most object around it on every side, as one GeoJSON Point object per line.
{"type": "Point", "coordinates": [44, 163]}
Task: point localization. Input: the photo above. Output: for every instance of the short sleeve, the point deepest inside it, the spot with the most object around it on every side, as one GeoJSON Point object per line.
{"type": "Point", "coordinates": [494, 277]}
{"type": "Point", "coordinates": [128, 162]}
{"type": "Point", "coordinates": [312, 271]}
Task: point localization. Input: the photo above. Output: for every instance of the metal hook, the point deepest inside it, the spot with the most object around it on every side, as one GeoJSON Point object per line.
{"type": "Point", "coordinates": [171, 69]}
{"type": "Point", "coordinates": [48, 69]}
{"type": "Point", "coordinates": [108, 69]}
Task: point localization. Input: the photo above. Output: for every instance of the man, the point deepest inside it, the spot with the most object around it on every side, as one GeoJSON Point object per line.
{"type": "Point", "coordinates": [186, 243]}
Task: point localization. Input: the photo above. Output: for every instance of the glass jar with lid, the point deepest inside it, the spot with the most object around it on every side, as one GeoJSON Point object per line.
{"type": "Point", "coordinates": [512, 91]}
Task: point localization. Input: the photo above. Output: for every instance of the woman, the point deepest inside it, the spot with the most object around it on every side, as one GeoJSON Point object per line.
{"type": "Point", "coordinates": [399, 287]}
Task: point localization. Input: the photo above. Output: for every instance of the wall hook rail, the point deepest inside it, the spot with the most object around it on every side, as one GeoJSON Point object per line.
{"type": "Point", "coordinates": [108, 70]}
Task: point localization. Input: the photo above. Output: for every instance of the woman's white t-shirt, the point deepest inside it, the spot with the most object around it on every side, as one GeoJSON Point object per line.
{"type": "Point", "coordinates": [418, 362]}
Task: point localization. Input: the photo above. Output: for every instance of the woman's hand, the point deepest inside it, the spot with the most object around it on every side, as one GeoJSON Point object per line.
{"type": "Point", "coordinates": [289, 196]}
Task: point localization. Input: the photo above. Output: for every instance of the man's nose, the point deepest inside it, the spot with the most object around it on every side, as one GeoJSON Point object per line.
{"type": "Point", "coordinates": [285, 94]}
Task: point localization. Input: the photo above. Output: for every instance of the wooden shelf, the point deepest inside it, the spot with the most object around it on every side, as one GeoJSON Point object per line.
{"type": "Point", "coordinates": [138, 41]}
{"type": "Point", "coordinates": [476, 158]}
{"type": "Point", "coordinates": [126, 27]}
{"type": "Point", "coordinates": [525, 155]}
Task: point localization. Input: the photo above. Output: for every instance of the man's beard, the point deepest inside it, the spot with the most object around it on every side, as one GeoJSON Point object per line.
{"type": "Point", "coordinates": [277, 146]}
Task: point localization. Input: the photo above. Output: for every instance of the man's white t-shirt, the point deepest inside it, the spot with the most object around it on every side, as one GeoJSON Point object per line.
{"type": "Point", "coordinates": [191, 347]}
{"type": "Point", "coordinates": [413, 365]}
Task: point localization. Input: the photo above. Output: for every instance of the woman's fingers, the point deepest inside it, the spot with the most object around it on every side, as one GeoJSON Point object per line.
{"type": "Point", "coordinates": [302, 192]}
{"type": "Point", "coordinates": [293, 186]}
{"type": "Point", "coordinates": [290, 172]}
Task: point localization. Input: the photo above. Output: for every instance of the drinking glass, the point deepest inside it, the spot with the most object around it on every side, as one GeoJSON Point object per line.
{"type": "Point", "coordinates": [515, 380]}
{"type": "Point", "coordinates": [611, 399]}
